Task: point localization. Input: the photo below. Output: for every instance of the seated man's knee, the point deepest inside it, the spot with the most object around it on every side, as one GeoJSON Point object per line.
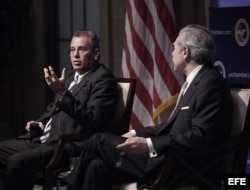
{"type": "Point", "coordinates": [97, 165]}
{"type": "Point", "coordinates": [14, 165]}
{"type": "Point", "coordinates": [98, 138]}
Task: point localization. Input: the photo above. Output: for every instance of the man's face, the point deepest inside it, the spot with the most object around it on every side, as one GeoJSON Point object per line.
{"type": "Point", "coordinates": [81, 55]}
{"type": "Point", "coordinates": [178, 58]}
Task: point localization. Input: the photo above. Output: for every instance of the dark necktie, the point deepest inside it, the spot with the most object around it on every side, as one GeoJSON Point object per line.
{"type": "Point", "coordinates": [182, 91]}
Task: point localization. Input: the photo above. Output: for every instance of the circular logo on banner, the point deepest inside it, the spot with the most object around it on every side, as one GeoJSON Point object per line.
{"type": "Point", "coordinates": [221, 68]}
{"type": "Point", "coordinates": [241, 32]}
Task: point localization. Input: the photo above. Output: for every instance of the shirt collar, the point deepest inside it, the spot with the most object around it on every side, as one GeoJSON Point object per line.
{"type": "Point", "coordinates": [80, 76]}
{"type": "Point", "coordinates": [192, 75]}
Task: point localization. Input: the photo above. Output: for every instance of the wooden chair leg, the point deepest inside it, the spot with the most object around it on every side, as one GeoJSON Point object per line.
{"type": "Point", "coordinates": [58, 184]}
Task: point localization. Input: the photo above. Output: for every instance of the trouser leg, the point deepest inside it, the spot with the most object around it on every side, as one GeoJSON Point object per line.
{"type": "Point", "coordinates": [98, 164]}
{"type": "Point", "coordinates": [8, 148]}
{"type": "Point", "coordinates": [2, 181]}
{"type": "Point", "coordinates": [22, 166]}
{"type": "Point", "coordinates": [19, 159]}
{"type": "Point", "coordinates": [97, 176]}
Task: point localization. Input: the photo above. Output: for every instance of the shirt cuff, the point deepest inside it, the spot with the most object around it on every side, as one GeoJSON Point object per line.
{"type": "Point", "coordinates": [152, 152]}
{"type": "Point", "coordinates": [133, 133]}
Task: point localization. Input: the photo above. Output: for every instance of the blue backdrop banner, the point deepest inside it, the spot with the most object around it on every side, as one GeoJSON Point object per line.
{"type": "Point", "coordinates": [230, 29]}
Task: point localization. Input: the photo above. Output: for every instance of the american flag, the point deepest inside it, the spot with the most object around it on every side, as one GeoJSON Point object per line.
{"type": "Point", "coordinates": [147, 56]}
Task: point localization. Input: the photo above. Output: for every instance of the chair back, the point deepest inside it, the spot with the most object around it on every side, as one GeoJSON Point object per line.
{"type": "Point", "coordinates": [241, 100]}
{"type": "Point", "coordinates": [236, 161]}
{"type": "Point", "coordinates": [124, 105]}
{"type": "Point", "coordinates": [119, 125]}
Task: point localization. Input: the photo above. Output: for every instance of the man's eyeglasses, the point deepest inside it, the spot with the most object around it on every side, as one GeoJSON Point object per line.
{"type": "Point", "coordinates": [79, 50]}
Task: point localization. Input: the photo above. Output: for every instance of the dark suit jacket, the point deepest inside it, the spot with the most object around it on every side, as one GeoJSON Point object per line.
{"type": "Point", "coordinates": [201, 119]}
{"type": "Point", "coordinates": [87, 109]}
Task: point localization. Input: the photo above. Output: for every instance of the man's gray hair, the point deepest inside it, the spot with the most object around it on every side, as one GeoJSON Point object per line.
{"type": "Point", "coordinates": [199, 42]}
{"type": "Point", "coordinates": [95, 41]}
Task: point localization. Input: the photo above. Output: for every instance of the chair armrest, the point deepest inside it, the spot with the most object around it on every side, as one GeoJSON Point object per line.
{"type": "Point", "coordinates": [59, 150]}
{"type": "Point", "coordinates": [232, 143]}
{"type": "Point", "coordinates": [180, 155]}
{"type": "Point", "coordinates": [66, 138]}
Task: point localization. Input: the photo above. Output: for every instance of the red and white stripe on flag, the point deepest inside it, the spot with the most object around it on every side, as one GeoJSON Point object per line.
{"type": "Point", "coordinates": [147, 56]}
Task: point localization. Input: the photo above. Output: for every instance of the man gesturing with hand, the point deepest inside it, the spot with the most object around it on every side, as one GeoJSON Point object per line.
{"type": "Point", "coordinates": [84, 100]}
{"type": "Point", "coordinates": [56, 84]}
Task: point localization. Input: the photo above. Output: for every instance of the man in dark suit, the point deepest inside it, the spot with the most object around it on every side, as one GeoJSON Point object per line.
{"type": "Point", "coordinates": [84, 103]}
{"type": "Point", "coordinates": [200, 119]}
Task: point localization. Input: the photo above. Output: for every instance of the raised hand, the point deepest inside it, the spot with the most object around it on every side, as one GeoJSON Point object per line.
{"type": "Point", "coordinates": [57, 85]}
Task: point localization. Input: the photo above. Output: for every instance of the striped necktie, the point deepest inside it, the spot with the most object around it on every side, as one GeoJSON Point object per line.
{"type": "Point", "coordinates": [47, 127]}
{"type": "Point", "coordinates": [73, 83]}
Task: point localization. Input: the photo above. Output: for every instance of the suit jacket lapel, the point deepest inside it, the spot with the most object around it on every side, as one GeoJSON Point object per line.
{"type": "Point", "coordinates": [80, 85]}
{"type": "Point", "coordinates": [69, 80]}
{"type": "Point", "coordinates": [84, 80]}
{"type": "Point", "coordinates": [190, 91]}
{"type": "Point", "coordinates": [188, 94]}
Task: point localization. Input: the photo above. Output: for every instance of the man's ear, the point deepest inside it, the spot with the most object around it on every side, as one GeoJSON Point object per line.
{"type": "Point", "coordinates": [97, 54]}
{"type": "Point", "coordinates": [186, 54]}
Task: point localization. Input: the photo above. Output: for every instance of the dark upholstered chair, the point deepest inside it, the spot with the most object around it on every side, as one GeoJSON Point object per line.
{"type": "Point", "coordinates": [232, 153]}
{"type": "Point", "coordinates": [54, 173]}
